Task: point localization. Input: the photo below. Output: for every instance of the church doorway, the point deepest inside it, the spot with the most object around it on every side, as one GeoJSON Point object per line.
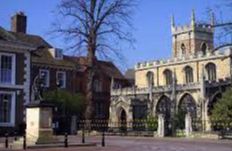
{"type": "Point", "coordinates": [164, 107]}
{"type": "Point", "coordinates": [123, 120]}
{"type": "Point", "coordinates": [187, 106]}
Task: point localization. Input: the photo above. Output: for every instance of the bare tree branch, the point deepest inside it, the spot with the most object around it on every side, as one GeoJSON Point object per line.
{"type": "Point", "coordinates": [96, 27]}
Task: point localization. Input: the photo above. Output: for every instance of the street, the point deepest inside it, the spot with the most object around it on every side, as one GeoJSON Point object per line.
{"type": "Point", "coordinates": [118, 143]}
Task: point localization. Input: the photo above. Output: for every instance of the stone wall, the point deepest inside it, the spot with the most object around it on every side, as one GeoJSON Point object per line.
{"type": "Point", "coordinates": [177, 65]}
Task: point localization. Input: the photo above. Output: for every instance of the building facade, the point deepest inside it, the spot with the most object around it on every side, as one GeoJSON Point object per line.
{"type": "Point", "coordinates": [15, 69]}
{"type": "Point", "coordinates": [191, 81]}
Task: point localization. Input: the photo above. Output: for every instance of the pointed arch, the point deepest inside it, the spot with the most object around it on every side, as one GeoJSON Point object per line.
{"type": "Point", "coordinates": [211, 71]}
{"type": "Point", "coordinates": [213, 100]}
{"type": "Point", "coordinates": [168, 76]}
{"type": "Point", "coordinates": [204, 48]}
{"type": "Point", "coordinates": [183, 49]}
{"type": "Point", "coordinates": [163, 105]}
{"type": "Point", "coordinates": [150, 78]}
{"type": "Point", "coordinates": [188, 74]}
{"type": "Point", "coordinates": [187, 104]}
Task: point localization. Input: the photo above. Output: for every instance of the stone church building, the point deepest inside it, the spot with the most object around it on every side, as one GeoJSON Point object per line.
{"type": "Point", "coordinates": [192, 80]}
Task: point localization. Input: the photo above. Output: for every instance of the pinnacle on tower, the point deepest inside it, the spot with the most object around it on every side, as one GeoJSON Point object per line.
{"type": "Point", "coordinates": [172, 21]}
{"type": "Point", "coordinates": [212, 19]}
{"type": "Point", "coordinates": [193, 19]}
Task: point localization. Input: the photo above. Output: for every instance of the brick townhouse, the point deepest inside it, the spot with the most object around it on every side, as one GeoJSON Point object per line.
{"type": "Point", "coordinates": [15, 66]}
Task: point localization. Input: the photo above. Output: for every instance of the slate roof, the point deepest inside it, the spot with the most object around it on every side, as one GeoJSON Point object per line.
{"type": "Point", "coordinates": [34, 40]}
{"type": "Point", "coordinates": [7, 37]}
{"type": "Point", "coordinates": [42, 56]}
{"type": "Point", "coordinates": [104, 67]}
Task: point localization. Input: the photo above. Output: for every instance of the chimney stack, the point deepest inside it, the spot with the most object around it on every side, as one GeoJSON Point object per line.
{"type": "Point", "coordinates": [19, 23]}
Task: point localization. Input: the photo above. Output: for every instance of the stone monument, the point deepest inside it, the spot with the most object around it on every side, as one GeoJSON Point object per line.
{"type": "Point", "coordinates": [39, 117]}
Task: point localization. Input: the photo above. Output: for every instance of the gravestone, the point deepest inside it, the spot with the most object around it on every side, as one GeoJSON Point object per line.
{"type": "Point", "coordinates": [161, 125]}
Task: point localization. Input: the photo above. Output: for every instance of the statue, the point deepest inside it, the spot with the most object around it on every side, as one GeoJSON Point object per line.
{"type": "Point", "coordinates": [37, 88]}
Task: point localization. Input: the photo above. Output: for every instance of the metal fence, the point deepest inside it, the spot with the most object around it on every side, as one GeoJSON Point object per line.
{"type": "Point", "coordinates": [142, 127]}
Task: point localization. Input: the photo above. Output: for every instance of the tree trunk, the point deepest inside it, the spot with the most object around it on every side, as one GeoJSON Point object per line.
{"type": "Point", "coordinates": [90, 77]}
{"type": "Point", "coordinates": [91, 58]}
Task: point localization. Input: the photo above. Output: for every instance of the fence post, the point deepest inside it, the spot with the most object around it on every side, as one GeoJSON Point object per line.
{"type": "Point", "coordinates": [66, 140]}
{"type": "Point", "coordinates": [24, 142]}
{"type": "Point", "coordinates": [6, 141]}
{"type": "Point", "coordinates": [83, 136]}
{"type": "Point", "coordinates": [103, 138]}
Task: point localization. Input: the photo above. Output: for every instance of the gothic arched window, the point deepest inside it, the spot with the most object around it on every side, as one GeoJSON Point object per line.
{"type": "Point", "coordinates": [188, 74]}
{"type": "Point", "coordinates": [183, 49]}
{"type": "Point", "coordinates": [150, 78]}
{"type": "Point", "coordinates": [203, 48]}
{"type": "Point", "coordinates": [168, 76]}
{"type": "Point", "coordinates": [211, 71]}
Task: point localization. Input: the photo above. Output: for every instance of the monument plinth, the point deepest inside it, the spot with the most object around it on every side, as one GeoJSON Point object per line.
{"type": "Point", "coordinates": [39, 122]}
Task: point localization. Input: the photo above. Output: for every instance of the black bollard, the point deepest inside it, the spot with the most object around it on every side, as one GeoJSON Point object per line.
{"type": "Point", "coordinates": [103, 139]}
{"type": "Point", "coordinates": [24, 142]}
{"type": "Point", "coordinates": [6, 141]}
{"type": "Point", "coordinates": [66, 140]}
{"type": "Point", "coordinates": [15, 136]}
{"type": "Point", "coordinates": [83, 136]}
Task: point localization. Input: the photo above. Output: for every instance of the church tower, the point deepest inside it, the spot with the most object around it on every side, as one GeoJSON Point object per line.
{"type": "Point", "coordinates": [192, 38]}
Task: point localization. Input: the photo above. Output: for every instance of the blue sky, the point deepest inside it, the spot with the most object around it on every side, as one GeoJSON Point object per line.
{"type": "Point", "coordinates": [151, 22]}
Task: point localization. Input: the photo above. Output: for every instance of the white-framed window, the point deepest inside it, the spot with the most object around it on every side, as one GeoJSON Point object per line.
{"type": "Point", "coordinates": [61, 78]}
{"type": "Point", "coordinates": [7, 108]}
{"type": "Point", "coordinates": [7, 68]}
{"type": "Point", "coordinates": [45, 75]}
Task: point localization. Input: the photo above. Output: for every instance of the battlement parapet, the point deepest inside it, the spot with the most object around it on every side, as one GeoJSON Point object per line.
{"type": "Point", "coordinates": [183, 59]}
{"type": "Point", "coordinates": [196, 27]}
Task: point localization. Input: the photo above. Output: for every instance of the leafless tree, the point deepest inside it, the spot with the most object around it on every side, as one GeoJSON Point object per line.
{"type": "Point", "coordinates": [95, 27]}
{"type": "Point", "coordinates": [223, 23]}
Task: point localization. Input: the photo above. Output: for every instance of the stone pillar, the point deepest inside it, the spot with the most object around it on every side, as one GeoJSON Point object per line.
{"type": "Point", "coordinates": [188, 125]}
{"type": "Point", "coordinates": [129, 118]}
{"type": "Point", "coordinates": [161, 125]}
{"type": "Point", "coordinates": [207, 119]}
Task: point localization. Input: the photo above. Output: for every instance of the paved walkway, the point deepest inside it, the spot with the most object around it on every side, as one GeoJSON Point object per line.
{"type": "Point", "coordinates": [149, 144]}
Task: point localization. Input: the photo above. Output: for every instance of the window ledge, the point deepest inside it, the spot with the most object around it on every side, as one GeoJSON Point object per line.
{"type": "Point", "coordinates": [7, 125]}
{"type": "Point", "coordinates": [11, 86]}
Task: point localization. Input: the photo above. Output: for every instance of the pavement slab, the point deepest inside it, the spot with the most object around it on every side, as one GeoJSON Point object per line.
{"type": "Point", "coordinates": [118, 143]}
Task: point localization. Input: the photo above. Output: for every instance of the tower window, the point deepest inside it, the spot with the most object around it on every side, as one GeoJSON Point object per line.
{"type": "Point", "coordinates": [203, 48]}
{"type": "Point", "coordinates": [183, 49]}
